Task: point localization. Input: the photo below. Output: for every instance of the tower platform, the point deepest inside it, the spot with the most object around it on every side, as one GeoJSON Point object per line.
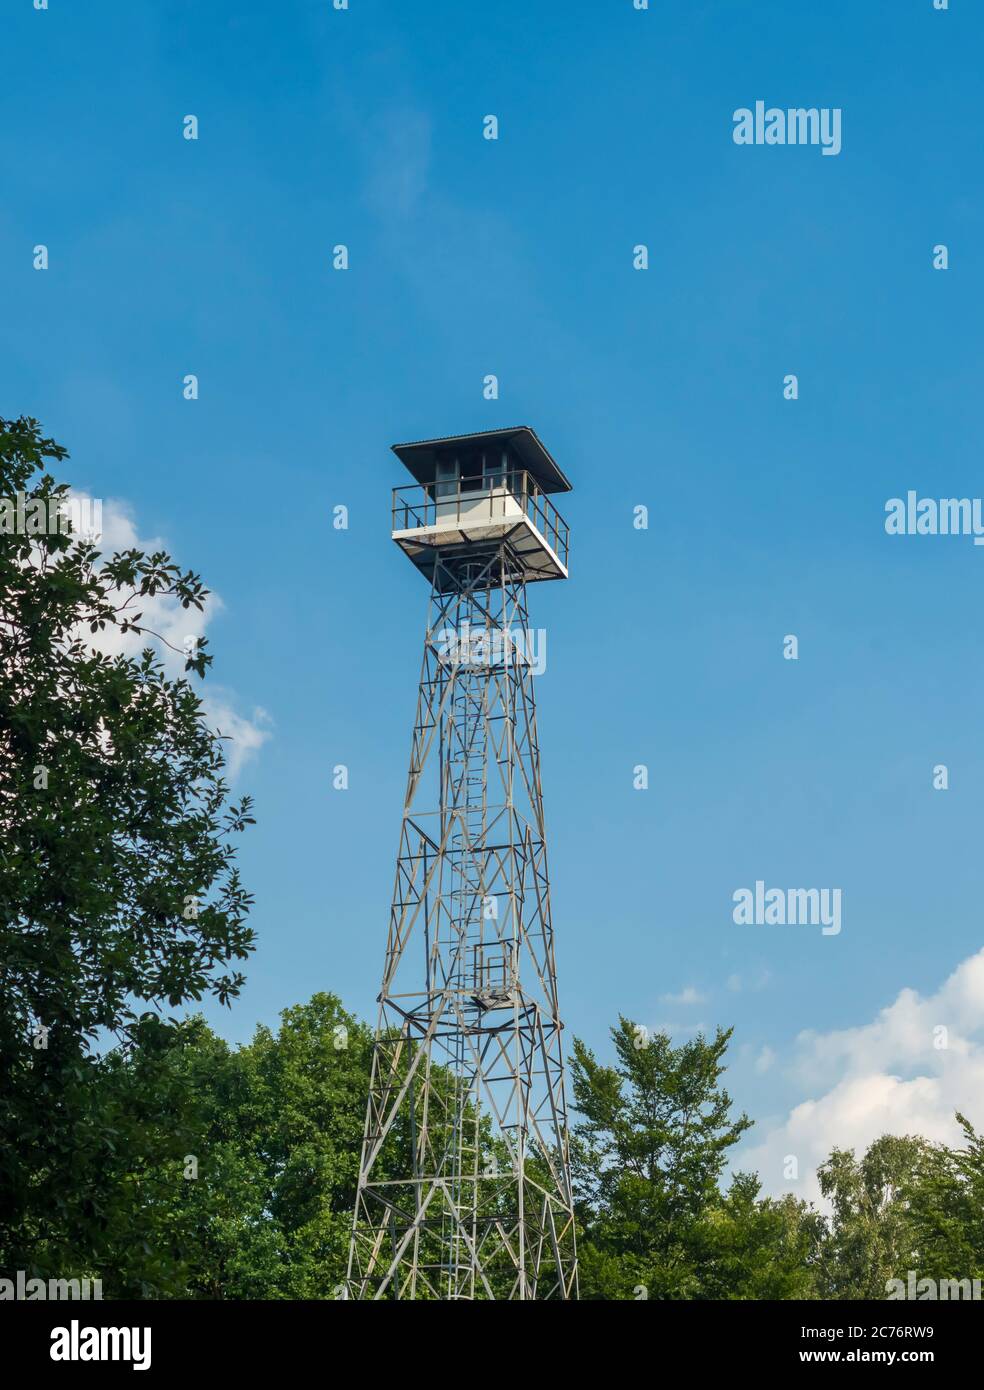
{"type": "Point", "coordinates": [476, 491]}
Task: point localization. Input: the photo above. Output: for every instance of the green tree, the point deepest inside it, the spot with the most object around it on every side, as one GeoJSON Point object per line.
{"type": "Point", "coordinates": [870, 1237]}
{"type": "Point", "coordinates": [118, 890]}
{"type": "Point", "coordinates": [750, 1247]}
{"type": "Point", "coordinates": [945, 1193]}
{"type": "Point", "coordinates": [153, 1100]}
{"type": "Point", "coordinates": [236, 1178]}
{"type": "Point", "coordinates": [648, 1158]}
{"type": "Point", "coordinates": [289, 1120]}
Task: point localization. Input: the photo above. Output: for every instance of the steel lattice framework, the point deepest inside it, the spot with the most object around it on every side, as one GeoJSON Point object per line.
{"type": "Point", "coordinates": [464, 1185]}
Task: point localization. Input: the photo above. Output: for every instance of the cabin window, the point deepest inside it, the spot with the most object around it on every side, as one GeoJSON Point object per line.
{"type": "Point", "coordinates": [446, 478]}
{"type": "Point", "coordinates": [471, 472]}
{"type": "Point", "coordinates": [495, 468]}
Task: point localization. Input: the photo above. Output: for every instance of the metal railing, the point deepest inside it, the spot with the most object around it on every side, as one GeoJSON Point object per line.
{"type": "Point", "coordinates": [481, 498]}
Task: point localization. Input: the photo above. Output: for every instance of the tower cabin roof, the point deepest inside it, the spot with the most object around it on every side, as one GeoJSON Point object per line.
{"type": "Point", "coordinates": [521, 444]}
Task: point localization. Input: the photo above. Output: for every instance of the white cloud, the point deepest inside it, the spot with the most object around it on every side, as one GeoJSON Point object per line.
{"type": "Point", "coordinates": [165, 616]}
{"type": "Point", "coordinates": [737, 983]}
{"type": "Point", "coordinates": [161, 614]}
{"type": "Point", "coordinates": [889, 1076]}
{"type": "Point", "coordinates": [678, 1031]}
{"type": "Point", "coordinates": [245, 736]}
{"type": "Point", "coordinates": [686, 996]}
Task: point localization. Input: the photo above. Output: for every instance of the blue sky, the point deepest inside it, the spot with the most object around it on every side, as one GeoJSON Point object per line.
{"type": "Point", "coordinates": [662, 388]}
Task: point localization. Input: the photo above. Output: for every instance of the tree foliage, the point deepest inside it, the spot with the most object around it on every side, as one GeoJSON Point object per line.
{"type": "Point", "coordinates": [246, 1183]}
{"type": "Point", "coordinates": [944, 1193]}
{"type": "Point", "coordinates": [650, 1153]}
{"type": "Point", "coordinates": [869, 1237]}
{"type": "Point", "coordinates": [119, 894]}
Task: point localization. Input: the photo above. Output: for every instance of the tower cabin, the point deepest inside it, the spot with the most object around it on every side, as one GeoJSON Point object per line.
{"type": "Point", "coordinates": [475, 492]}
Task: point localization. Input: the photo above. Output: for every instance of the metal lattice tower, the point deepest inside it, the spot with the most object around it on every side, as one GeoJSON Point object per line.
{"type": "Point", "coordinates": [464, 1183]}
